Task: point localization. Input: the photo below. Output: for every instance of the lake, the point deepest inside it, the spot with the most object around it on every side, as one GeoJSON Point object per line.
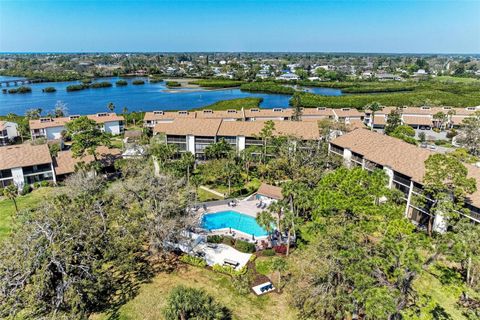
{"type": "Point", "coordinates": [147, 97]}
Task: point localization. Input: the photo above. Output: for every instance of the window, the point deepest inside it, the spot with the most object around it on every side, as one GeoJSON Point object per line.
{"type": "Point", "coordinates": [277, 110]}
{"type": "Point", "coordinates": [254, 110]}
{"type": "Point", "coordinates": [183, 112]}
{"type": "Point", "coordinates": [425, 108]}
{"type": "Point", "coordinates": [336, 149]}
{"type": "Point", "coordinates": [231, 111]}
{"type": "Point", "coordinates": [471, 108]}
{"type": "Point", "coordinates": [321, 108]}
{"type": "Point", "coordinates": [5, 173]}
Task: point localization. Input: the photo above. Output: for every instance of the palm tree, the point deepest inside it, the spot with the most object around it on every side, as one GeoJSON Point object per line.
{"type": "Point", "coordinates": [187, 161]}
{"type": "Point", "coordinates": [125, 111]}
{"type": "Point", "coordinates": [189, 303]}
{"type": "Point", "coordinates": [265, 220]}
{"type": "Point", "coordinates": [111, 106]}
{"type": "Point", "coordinates": [288, 224]}
{"type": "Point", "coordinates": [11, 192]}
{"type": "Point", "coordinates": [279, 265]}
{"type": "Point", "coordinates": [373, 107]}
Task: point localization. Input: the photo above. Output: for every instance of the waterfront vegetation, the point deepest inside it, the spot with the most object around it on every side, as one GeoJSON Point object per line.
{"type": "Point", "coordinates": [103, 84]}
{"type": "Point", "coordinates": [173, 84]}
{"type": "Point", "coordinates": [267, 87]}
{"type": "Point", "coordinates": [155, 80]}
{"type": "Point", "coordinates": [237, 104]}
{"type": "Point", "coordinates": [121, 82]}
{"type": "Point", "coordinates": [138, 82]}
{"type": "Point", "coordinates": [21, 89]}
{"type": "Point", "coordinates": [217, 83]}
{"type": "Point", "coordinates": [49, 89]}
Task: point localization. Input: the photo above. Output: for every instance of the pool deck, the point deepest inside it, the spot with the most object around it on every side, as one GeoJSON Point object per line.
{"type": "Point", "coordinates": [248, 207]}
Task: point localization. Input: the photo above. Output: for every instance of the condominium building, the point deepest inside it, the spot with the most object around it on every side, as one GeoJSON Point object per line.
{"type": "Point", "coordinates": [194, 135]}
{"type": "Point", "coordinates": [8, 132]}
{"type": "Point", "coordinates": [404, 165]}
{"type": "Point", "coordinates": [52, 128]}
{"type": "Point", "coordinates": [25, 164]}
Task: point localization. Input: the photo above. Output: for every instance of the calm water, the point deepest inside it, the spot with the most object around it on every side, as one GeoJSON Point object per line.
{"type": "Point", "coordinates": [234, 220]}
{"type": "Point", "coordinates": [147, 97]}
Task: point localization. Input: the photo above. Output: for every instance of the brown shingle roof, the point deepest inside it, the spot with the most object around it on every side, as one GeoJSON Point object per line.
{"type": "Point", "coordinates": [400, 156]}
{"type": "Point", "coordinates": [386, 151]}
{"type": "Point", "coordinates": [270, 191]}
{"type": "Point", "coordinates": [220, 114]}
{"type": "Point", "coordinates": [168, 115]}
{"type": "Point", "coordinates": [348, 112]}
{"type": "Point", "coordinates": [23, 155]}
{"type": "Point", "coordinates": [60, 122]}
{"type": "Point", "coordinates": [418, 120]}
{"type": "Point", "coordinates": [305, 130]}
{"type": "Point", "coordinates": [275, 112]}
{"type": "Point", "coordinates": [196, 127]}
{"type": "Point", "coordinates": [64, 162]}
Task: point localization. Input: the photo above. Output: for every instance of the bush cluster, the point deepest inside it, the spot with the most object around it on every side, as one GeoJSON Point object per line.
{"type": "Point", "coordinates": [268, 87]}
{"type": "Point", "coordinates": [138, 82]}
{"type": "Point", "coordinates": [173, 84]}
{"type": "Point", "coordinates": [49, 89]}
{"type": "Point", "coordinates": [194, 261]}
{"type": "Point", "coordinates": [229, 270]}
{"type": "Point", "coordinates": [21, 89]}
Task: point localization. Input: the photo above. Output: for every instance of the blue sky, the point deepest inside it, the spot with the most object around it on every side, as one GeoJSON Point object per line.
{"type": "Point", "coordinates": [328, 26]}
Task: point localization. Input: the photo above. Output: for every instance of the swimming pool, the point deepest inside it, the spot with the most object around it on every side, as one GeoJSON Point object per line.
{"type": "Point", "coordinates": [233, 219]}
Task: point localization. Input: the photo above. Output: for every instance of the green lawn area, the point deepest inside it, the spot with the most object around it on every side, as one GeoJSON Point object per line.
{"type": "Point", "coordinates": [7, 208]}
{"type": "Point", "coordinates": [456, 79]}
{"type": "Point", "coordinates": [148, 304]}
{"type": "Point", "coordinates": [204, 195]}
{"type": "Point", "coordinates": [445, 288]}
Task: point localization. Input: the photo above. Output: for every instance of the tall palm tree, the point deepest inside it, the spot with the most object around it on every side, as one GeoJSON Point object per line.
{"type": "Point", "coordinates": [111, 106]}
{"type": "Point", "coordinates": [373, 108]}
{"type": "Point", "coordinates": [279, 265]}
{"type": "Point", "coordinates": [266, 221]}
{"type": "Point", "coordinates": [11, 192]}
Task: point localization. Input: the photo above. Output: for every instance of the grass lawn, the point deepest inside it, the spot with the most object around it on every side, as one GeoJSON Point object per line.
{"type": "Point", "coordinates": [152, 296]}
{"type": "Point", "coordinates": [456, 79]}
{"type": "Point", "coordinates": [204, 195]}
{"type": "Point", "coordinates": [7, 208]}
{"type": "Point", "coordinates": [445, 288]}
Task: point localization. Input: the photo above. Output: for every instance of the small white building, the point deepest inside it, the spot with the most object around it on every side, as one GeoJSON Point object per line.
{"type": "Point", "coordinates": [288, 77]}
{"type": "Point", "coordinates": [8, 132]}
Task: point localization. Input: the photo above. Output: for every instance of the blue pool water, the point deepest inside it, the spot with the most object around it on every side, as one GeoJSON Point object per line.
{"type": "Point", "coordinates": [234, 220]}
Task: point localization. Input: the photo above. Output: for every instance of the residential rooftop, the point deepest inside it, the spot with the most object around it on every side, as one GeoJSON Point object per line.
{"type": "Point", "coordinates": [24, 155]}
{"type": "Point", "coordinates": [48, 122]}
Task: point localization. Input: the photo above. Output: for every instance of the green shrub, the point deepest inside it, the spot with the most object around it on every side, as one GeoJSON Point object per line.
{"type": "Point", "coordinates": [49, 89]}
{"type": "Point", "coordinates": [264, 266]}
{"type": "Point", "coordinates": [215, 239]}
{"type": "Point", "coordinates": [229, 270]}
{"type": "Point", "coordinates": [26, 189]}
{"type": "Point", "coordinates": [155, 80]}
{"type": "Point", "coordinates": [36, 185]}
{"type": "Point", "coordinates": [44, 183]}
{"type": "Point", "coordinates": [86, 81]}
{"type": "Point", "coordinates": [244, 246]}
{"type": "Point", "coordinates": [138, 82]}
{"type": "Point", "coordinates": [194, 261]}
{"type": "Point", "coordinates": [122, 82]}
{"type": "Point", "coordinates": [268, 253]}
{"type": "Point", "coordinates": [173, 84]}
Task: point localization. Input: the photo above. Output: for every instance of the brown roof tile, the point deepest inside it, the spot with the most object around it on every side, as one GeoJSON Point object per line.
{"type": "Point", "coordinates": [306, 130]}
{"type": "Point", "coordinates": [64, 162]}
{"type": "Point", "coordinates": [196, 127]}
{"type": "Point", "coordinates": [270, 191]}
{"type": "Point", "coordinates": [168, 115]}
{"type": "Point", "coordinates": [24, 155]}
{"type": "Point", "coordinates": [59, 122]}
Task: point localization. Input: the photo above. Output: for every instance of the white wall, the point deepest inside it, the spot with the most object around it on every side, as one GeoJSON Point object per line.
{"type": "Point", "coordinates": [241, 143]}
{"type": "Point", "coordinates": [54, 133]}
{"type": "Point", "coordinates": [112, 127]}
{"type": "Point", "coordinates": [12, 130]}
{"type": "Point", "coordinates": [18, 179]}
{"type": "Point", "coordinates": [191, 144]}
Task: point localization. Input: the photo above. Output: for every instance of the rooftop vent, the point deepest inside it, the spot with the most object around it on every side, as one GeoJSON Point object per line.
{"type": "Point", "coordinates": [277, 110]}
{"type": "Point", "coordinates": [183, 112]}
{"type": "Point", "coordinates": [43, 120]}
{"type": "Point", "coordinates": [447, 108]}
{"type": "Point", "coordinates": [158, 112]}
{"type": "Point", "coordinates": [231, 111]}
{"type": "Point", "coordinates": [103, 114]}
{"type": "Point", "coordinates": [425, 108]}
{"type": "Point", "coordinates": [74, 117]}
{"type": "Point", "coordinates": [254, 110]}
{"type": "Point", "coordinates": [207, 111]}
{"type": "Point", "coordinates": [321, 108]}
{"type": "Point", "coordinates": [471, 108]}
{"type": "Point", "coordinates": [345, 109]}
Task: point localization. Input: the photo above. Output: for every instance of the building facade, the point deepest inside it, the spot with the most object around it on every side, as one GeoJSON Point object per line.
{"type": "Point", "coordinates": [8, 132]}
